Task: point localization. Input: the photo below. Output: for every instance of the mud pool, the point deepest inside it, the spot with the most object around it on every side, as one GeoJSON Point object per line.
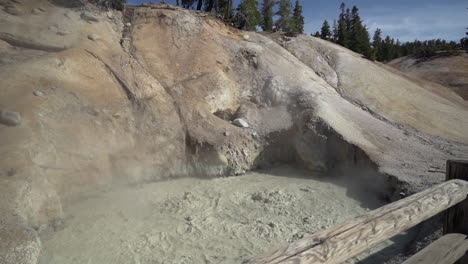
{"type": "Point", "coordinates": [191, 220]}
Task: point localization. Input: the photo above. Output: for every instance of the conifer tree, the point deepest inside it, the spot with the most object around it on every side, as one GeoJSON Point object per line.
{"type": "Point", "coordinates": [210, 4]}
{"type": "Point", "coordinates": [298, 18]}
{"type": "Point", "coordinates": [335, 31]}
{"type": "Point", "coordinates": [342, 27]}
{"type": "Point", "coordinates": [325, 32]}
{"type": "Point", "coordinates": [387, 49]}
{"type": "Point", "coordinates": [248, 17]}
{"type": "Point", "coordinates": [358, 35]}
{"type": "Point", "coordinates": [187, 3]}
{"type": "Point", "coordinates": [267, 15]}
{"type": "Point", "coordinates": [225, 8]}
{"type": "Point", "coordinates": [284, 22]}
{"type": "Point", "coordinates": [115, 4]}
{"type": "Point", "coordinates": [397, 48]}
{"type": "Point", "coordinates": [377, 45]}
{"type": "Point", "coordinates": [317, 34]}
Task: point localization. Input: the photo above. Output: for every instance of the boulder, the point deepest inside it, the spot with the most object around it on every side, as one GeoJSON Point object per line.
{"type": "Point", "coordinates": [88, 16]}
{"type": "Point", "coordinates": [38, 93]}
{"type": "Point", "coordinates": [10, 118]}
{"type": "Point", "coordinates": [93, 37]}
{"type": "Point", "coordinates": [13, 10]}
{"type": "Point", "coordinates": [36, 11]}
{"type": "Point", "coordinates": [240, 123]}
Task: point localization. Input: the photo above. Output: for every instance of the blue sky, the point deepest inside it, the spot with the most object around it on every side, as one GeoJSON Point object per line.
{"type": "Point", "coordinates": [406, 20]}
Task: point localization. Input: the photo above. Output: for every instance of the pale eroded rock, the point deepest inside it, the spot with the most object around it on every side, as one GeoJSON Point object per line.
{"type": "Point", "coordinates": [88, 16]}
{"type": "Point", "coordinates": [38, 93]}
{"type": "Point", "coordinates": [240, 123]}
{"type": "Point", "coordinates": [93, 37]}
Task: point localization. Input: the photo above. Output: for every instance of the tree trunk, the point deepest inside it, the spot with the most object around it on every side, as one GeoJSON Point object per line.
{"type": "Point", "coordinates": [228, 9]}
{"type": "Point", "coordinates": [200, 4]}
{"type": "Point", "coordinates": [210, 5]}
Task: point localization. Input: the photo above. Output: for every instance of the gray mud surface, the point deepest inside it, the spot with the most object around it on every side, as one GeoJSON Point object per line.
{"type": "Point", "coordinates": [191, 220]}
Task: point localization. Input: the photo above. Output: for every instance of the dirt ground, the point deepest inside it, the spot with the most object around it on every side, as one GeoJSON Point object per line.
{"type": "Point", "coordinates": [449, 71]}
{"type": "Point", "coordinates": [192, 220]}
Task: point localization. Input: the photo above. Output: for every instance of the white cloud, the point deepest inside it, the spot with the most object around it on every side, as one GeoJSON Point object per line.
{"type": "Point", "coordinates": [446, 21]}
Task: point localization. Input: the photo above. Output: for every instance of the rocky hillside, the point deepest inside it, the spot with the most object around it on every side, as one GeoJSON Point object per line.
{"type": "Point", "coordinates": [449, 71]}
{"type": "Point", "coordinates": [91, 97]}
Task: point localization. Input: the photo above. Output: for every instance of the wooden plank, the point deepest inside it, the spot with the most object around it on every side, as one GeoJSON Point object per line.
{"type": "Point", "coordinates": [446, 250]}
{"type": "Point", "coordinates": [342, 242]}
{"type": "Point", "coordinates": [456, 218]}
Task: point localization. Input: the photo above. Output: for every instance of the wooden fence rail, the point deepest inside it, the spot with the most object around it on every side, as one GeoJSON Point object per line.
{"type": "Point", "coordinates": [456, 217]}
{"type": "Point", "coordinates": [445, 250]}
{"type": "Point", "coordinates": [342, 242]}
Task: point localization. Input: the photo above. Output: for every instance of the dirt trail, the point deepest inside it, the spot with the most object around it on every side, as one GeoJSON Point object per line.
{"type": "Point", "coordinates": [193, 220]}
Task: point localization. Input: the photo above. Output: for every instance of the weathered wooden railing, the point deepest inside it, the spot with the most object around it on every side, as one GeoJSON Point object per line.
{"type": "Point", "coordinates": [342, 242]}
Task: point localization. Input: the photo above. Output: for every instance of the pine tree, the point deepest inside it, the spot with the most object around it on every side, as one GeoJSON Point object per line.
{"type": "Point", "coordinates": [387, 49]}
{"type": "Point", "coordinates": [348, 21]}
{"type": "Point", "coordinates": [464, 43]}
{"type": "Point", "coordinates": [225, 8]}
{"type": "Point", "coordinates": [284, 22]}
{"type": "Point", "coordinates": [393, 50]}
{"type": "Point", "coordinates": [342, 27]}
{"type": "Point", "coordinates": [210, 4]}
{"type": "Point", "coordinates": [358, 35]}
{"type": "Point", "coordinates": [335, 31]}
{"type": "Point", "coordinates": [317, 34]}
{"type": "Point", "coordinates": [298, 18]}
{"type": "Point", "coordinates": [398, 49]}
{"type": "Point", "coordinates": [325, 31]}
{"type": "Point", "coordinates": [187, 3]}
{"type": "Point", "coordinates": [377, 45]}
{"type": "Point", "coordinates": [267, 15]}
{"type": "Point", "coordinates": [248, 17]}
{"type": "Point", "coordinates": [115, 4]}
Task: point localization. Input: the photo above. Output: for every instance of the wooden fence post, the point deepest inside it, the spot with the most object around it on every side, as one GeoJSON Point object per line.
{"type": "Point", "coordinates": [456, 218]}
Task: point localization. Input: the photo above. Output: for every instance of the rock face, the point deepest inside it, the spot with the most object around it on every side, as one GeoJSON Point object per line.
{"type": "Point", "coordinates": [386, 93]}
{"type": "Point", "coordinates": [143, 107]}
{"type": "Point", "coordinates": [449, 71]}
